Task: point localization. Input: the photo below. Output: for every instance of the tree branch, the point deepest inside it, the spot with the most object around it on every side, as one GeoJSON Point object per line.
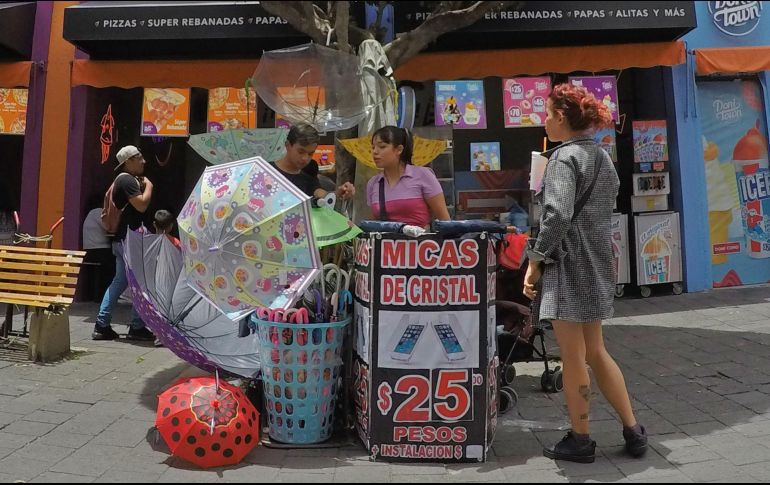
{"type": "Point", "coordinates": [302, 16]}
{"type": "Point", "coordinates": [341, 26]}
{"type": "Point", "coordinates": [412, 43]}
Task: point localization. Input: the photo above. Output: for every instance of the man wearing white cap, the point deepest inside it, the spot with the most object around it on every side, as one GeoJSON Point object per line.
{"type": "Point", "coordinates": [131, 194]}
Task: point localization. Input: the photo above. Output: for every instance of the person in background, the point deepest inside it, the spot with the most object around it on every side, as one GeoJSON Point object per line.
{"type": "Point", "coordinates": [131, 194]}
{"type": "Point", "coordinates": [402, 192]}
{"type": "Point", "coordinates": [299, 167]}
{"type": "Point", "coordinates": [164, 224]}
{"type": "Point", "coordinates": [570, 274]}
{"type": "Point", "coordinates": [97, 244]}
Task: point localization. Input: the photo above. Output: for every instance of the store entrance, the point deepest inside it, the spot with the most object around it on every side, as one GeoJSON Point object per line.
{"type": "Point", "coordinates": [12, 148]}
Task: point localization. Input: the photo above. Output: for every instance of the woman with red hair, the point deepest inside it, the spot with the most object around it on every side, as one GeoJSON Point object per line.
{"type": "Point", "coordinates": [570, 275]}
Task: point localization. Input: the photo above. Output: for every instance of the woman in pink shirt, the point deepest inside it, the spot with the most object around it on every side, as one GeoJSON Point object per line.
{"type": "Point", "coordinates": [403, 192]}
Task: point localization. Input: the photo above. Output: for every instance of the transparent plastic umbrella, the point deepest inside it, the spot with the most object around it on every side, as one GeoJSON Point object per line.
{"type": "Point", "coordinates": [319, 86]}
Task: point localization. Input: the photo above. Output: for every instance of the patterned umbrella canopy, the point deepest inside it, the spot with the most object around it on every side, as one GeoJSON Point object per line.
{"type": "Point", "coordinates": [233, 145]}
{"type": "Point", "coordinates": [207, 422]}
{"type": "Point", "coordinates": [182, 320]}
{"type": "Point", "coordinates": [247, 238]}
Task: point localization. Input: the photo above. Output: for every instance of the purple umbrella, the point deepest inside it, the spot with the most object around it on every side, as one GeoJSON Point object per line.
{"type": "Point", "coordinates": [182, 320]}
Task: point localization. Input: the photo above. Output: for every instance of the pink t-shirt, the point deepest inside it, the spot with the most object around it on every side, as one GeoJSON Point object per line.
{"type": "Point", "coordinates": [405, 202]}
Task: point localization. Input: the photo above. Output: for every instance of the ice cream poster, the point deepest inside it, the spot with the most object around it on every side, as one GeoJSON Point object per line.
{"type": "Point", "coordinates": [650, 141]}
{"type": "Point", "coordinates": [166, 112]}
{"type": "Point", "coordinates": [485, 157]}
{"type": "Point", "coordinates": [605, 88]}
{"type": "Point", "coordinates": [13, 111]}
{"type": "Point", "coordinates": [735, 157]}
{"type": "Point", "coordinates": [605, 138]}
{"type": "Point", "coordinates": [231, 109]}
{"type": "Point", "coordinates": [461, 104]}
{"type": "Point", "coordinates": [524, 101]}
{"type": "Point", "coordinates": [658, 239]}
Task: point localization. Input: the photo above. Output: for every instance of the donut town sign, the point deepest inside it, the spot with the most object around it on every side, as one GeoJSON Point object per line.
{"type": "Point", "coordinates": [736, 18]}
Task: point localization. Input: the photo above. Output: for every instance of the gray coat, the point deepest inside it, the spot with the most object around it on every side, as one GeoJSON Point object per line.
{"type": "Point", "coordinates": [578, 277]}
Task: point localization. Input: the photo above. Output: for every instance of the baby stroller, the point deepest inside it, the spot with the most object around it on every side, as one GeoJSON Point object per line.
{"type": "Point", "coordinates": [519, 340]}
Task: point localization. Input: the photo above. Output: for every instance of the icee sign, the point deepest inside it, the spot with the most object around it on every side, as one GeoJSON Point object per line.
{"type": "Point", "coordinates": [736, 18]}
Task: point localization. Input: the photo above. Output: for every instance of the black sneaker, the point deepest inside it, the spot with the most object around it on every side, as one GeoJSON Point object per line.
{"type": "Point", "coordinates": [572, 449]}
{"type": "Point", "coordinates": [140, 334]}
{"type": "Point", "coordinates": [104, 333]}
{"type": "Point", "coordinates": [636, 443]}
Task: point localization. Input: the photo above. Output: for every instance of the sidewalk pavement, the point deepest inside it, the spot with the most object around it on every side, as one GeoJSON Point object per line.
{"type": "Point", "coordinates": [697, 367]}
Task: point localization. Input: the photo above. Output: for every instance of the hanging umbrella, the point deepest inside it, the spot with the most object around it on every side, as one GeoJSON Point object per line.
{"type": "Point", "coordinates": [207, 422]}
{"type": "Point", "coordinates": [424, 151]}
{"type": "Point", "coordinates": [247, 238]}
{"type": "Point", "coordinates": [319, 86]}
{"type": "Point", "coordinates": [233, 145]}
{"type": "Point", "coordinates": [331, 227]}
{"type": "Point", "coordinates": [181, 319]}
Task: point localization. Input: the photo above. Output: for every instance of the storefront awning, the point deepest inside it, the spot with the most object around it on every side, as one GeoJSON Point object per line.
{"type": "Point", "coordinates": [17, 26]}
{"type": "Point", "coordinates": [162, 74]}
{"type": "Point", "coordinates": [732, 60]}
{"type": "Point", "coordinates": [510, 62]}
{"type": "Point", "coordinates": [176, 29]}
{"type": "Point", "coordinates": [15, 74]}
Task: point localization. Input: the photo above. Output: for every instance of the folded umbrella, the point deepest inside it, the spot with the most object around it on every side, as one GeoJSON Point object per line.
{"type": "Point", "coordinates": [181, 319]}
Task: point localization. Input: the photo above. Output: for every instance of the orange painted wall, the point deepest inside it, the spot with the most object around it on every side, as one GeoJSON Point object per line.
{"type": "Point", "coordinates": [56, 118]}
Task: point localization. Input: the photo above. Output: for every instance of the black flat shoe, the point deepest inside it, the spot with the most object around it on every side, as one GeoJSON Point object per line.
{"type": "Point", "coordinates": [572, 449]}
{"type": "Point", "coordinates": [636, 443]}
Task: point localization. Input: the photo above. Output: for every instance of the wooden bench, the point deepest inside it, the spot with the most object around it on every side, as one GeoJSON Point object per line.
{"type": "Point", "coordinates": [42, 279]}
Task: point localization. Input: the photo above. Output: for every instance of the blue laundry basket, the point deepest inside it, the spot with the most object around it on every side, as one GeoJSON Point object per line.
{"type": "Point", "coordinates": [301, 372]}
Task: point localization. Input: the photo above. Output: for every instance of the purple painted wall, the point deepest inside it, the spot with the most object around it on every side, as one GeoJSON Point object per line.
{"type": "Point", "coordinates": [33, 137]}
{"type": "Point", "coordinates": [73, 193]}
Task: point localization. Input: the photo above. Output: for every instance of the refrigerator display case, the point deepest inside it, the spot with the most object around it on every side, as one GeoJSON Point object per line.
{"type": "Point", "coordinates": [658, 251]}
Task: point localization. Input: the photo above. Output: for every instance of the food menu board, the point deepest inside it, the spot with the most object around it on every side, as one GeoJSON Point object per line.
{"type": "Point", "coordinates": [324, 157]}
{"type": "Point", "coordinates": [166, 112]}
{"type": "Point", "coordinates": [605, 88]}
{"type": "Point", "coordinates": [13, 111]}
{"type": "Point", "coordinates": [650, 143]}
{"type": "Point", "coordinates": [461, 104]}
{"type": "Point", "coordinates": [231, 109]}
{"type": "Point", "coordinates": [524, 101]}
{"type": "Point", "coordinates": [300, 104]}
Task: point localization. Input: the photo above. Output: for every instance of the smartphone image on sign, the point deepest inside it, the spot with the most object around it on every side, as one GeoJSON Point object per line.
{"type": "Point", "coordinates": [449, 341]}
{"type": "Point", "coordinates": [408, 341]}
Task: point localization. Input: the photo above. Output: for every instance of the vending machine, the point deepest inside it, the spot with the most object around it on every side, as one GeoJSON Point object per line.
{"type": "Point", "coordinates": [658, 251]}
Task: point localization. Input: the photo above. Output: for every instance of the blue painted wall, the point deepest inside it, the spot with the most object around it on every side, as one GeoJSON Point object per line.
{"type": "Point", "coordinates": [689, 198]}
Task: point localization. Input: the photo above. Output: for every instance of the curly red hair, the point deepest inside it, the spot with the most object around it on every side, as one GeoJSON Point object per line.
{"type": "Point", "coordinates": [580, 107]}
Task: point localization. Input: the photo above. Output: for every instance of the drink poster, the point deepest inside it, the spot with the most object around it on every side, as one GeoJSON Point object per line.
{"type": "Point", "coordinates": [524, 101]}
{"type": "Point", "coordinates": [658, 248]}
{"type": "Point", "coordinates": [650, 141]}
{"type": "Point", "coordinates": [605, 88]}
{"type": "Point", "coordinates": [229, 109]}
{"type": "Point", "coordinates": [461, 104]}
{"type": "Point", "coordinates": [485, 157]}
{"type": "Point", "coordinates": [605, 137]}
{"type": "Point", "coordinates": [13, 111]}
{"type": "Point", "coordinates": [166, 112]}
{"type": "Point", "coordinates": [735, 156]}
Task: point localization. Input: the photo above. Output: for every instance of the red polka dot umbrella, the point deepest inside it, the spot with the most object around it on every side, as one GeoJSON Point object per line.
{"type": "Point", "coordinates": [207, 422]}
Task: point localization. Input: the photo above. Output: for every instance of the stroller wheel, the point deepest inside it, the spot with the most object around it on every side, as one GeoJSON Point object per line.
{"type": "Point", "coordinates": [552, 381]}
{"type": "Point", "coordinates": [509, 374]}
{"type": "Point", "coordinates": [508, 399]}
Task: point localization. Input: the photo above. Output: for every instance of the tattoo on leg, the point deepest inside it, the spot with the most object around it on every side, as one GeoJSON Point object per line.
{"type": "Point", "coordinates": [585, 392]}
{"type": "Point", "coordinates": [584, 417]}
